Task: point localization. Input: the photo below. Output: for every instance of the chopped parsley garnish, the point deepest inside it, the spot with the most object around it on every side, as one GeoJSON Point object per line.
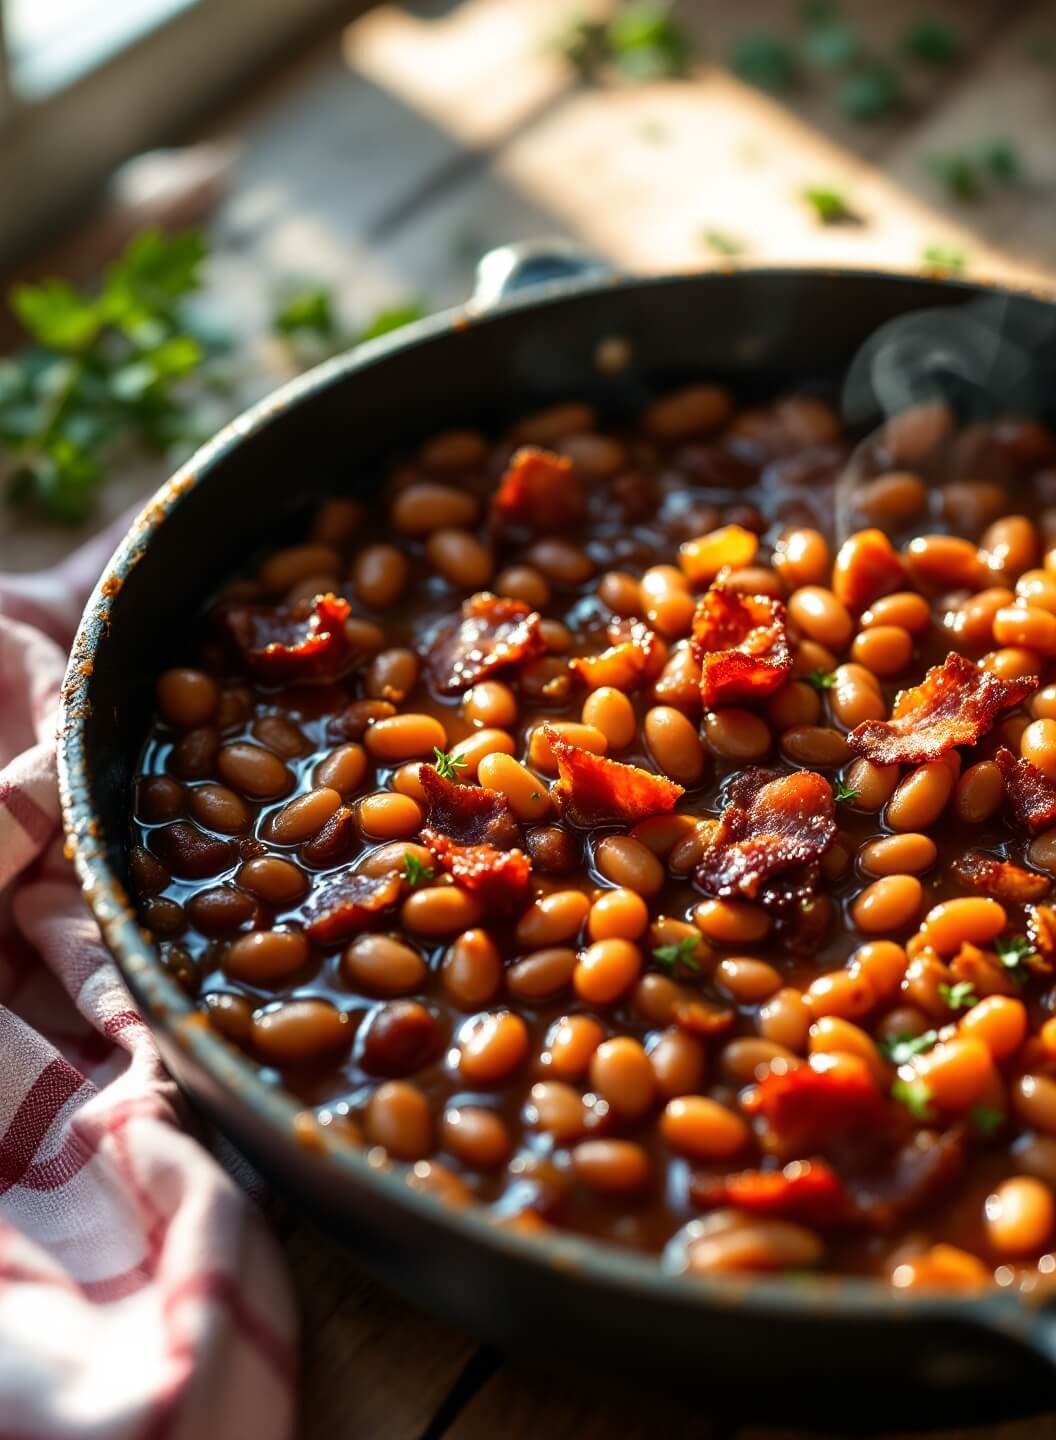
{"type": "Point", "coordinates": [931, 41]}
{"type": "Point", "coordinates": [829, 205]}
{"type": "Point", "coordinates": [944, 258]}
{"type": "Point", "coordinates": [447, 766]}
{"type": "Point", "coordinates": [822, 679]}
{"type": "Point", "coordinates": [683, 953]}
{"type": "Point", "coordinates": [986, 1119]}
{"type": "Point", "coordinates": [767, 61]}
{"type": "Point", "coordinates": [832, 45]}
{"type": "Point", "coordinates": [871, 92]}
{"type": "Point", "coordinates": [960, 996]}
{"type": "Point", "coordinates": [720, 242]}
{"type": "Point", "coordinates": [643, 42]}
{"type": "Point", "coordinates": [1014, 955]}
{"type": "Point", "coordinates": [845, 794]}
{"type": "Point", "coordinates": [902, 1048]}
{"type": "Point", "coordinates": [915, 1095]}
{"type": "Point", "coordinates": [414, 872]}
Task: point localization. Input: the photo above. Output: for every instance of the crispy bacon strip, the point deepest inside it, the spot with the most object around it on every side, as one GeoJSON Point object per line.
{"type": "Point", "coordinates": [344, 903]}
{"type": "Point", "coordinates": [866, 567]}
{"type": "Point", "coordinates": [468, 814]}
{"type": "Point", "coordinates": [490, 634]}
{"type": "Point", "coordinates": [771, 824]}
{"type": "Point", "coordinates": [500, 879]}
{"type": "Point", "coordinates": [635, 655]}
{"type": "Point", "coordinates": [955, 704]}
{"type": "Point", "coordinates": [539, 491]}
{"type": "Point", "coordinates": [291, 644]}
{"type": "Point", "coordinates": [807, 1109]}
{"type": "Point", "coordinates": [1030, 792]}
{"type": "Point", "coordinates": [741, 642]}
{"type": "Point", "coordinates": [809, 1191]}
{"type": "Point", "coordinates": [1041, 934]}
{"type": "Point", "coordinates": [591, 789]}
{"type": "Point", "coordinates": [1000, 878]}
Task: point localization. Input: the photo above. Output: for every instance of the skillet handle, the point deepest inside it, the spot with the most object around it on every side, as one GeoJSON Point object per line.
{"type": "Point", "coordinates": [527, 263]}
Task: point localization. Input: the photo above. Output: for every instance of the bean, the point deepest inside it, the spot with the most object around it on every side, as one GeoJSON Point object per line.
{"type": "Point", "coordinates": [975, 920]}
{"type": "Point", "coordinates": [527, 795]}
{"type": "Point", "coordinates": [785, 1019]}
{"type": "Point", "coordinates": [921, 797]}
{"type": "Point", "coordinates": [796, 703]}
{"type": "Point", "coordinates": [159, 797]}
{"type": "Point", "coordinates": [231, 1016]}
{"type": "Point", "coordinates": [656, 998]}
{"type": "Point", "coordinates": [882, 965]}
{"type": "Point", "coordinates": [266, 957]}
{"type": "Point", "coordinates": [571, 1042]}
{"type": "Point", "coordinates": [463, 560]}
{"type": "Point", "coordinates": [194, 756]}
{"type": "Point", "coordinates": [300, 1032]}
{"type": "Point", "coordinates": [454, 450]}
{"type": "Point", "coordinates": [674, 743]}
{"type": "Point", "coordinates": [491, 705]}
{"type": "Point", "coordinates": [300, 819]}
{"type": "Point", "coordinates": [436, 911]}
{"type": "Point", "coordinates": [380, 574]}
{"type": "Point", "coordinates": [1026, 626]}
{"type": "Point", "coordinates": [606, 970]}
{"type": "Point", "coordinates": [1038, 745]}
{"type": "Point", "coordinates": [398, 1119]}
{"type": "Point", "coordinates": [888, 904]}
{"type": "Point", "coordinates": [492, 1048]}
{"type": "Point", "coordinates": [678, 1062]}
{"type": "Point", "coordinates": [956, 1071]}
{"type": "Point", "coordinates": [731, 922]}
{"type": "Point", "coordinates": [904, 608]}
{"type": "Point", "coordinates": [586, 737]}
{"type": "Point", "coordinates": [832, 1035]}
{"type": "Point", "coordinates": [148, 875]}
{"type": "Point", "coordinates": [399, 1039]}
{"type": "Point", "coordinates": [392, 858]}
{"type": "Point", "coordinates": [999, 1021]}
{"type": "Point", "coordinates": [190, 854]}
{"type": "Point", "coordinates": [407, 780]}
{"type": "Point", "coordinates": [1020, 1215]}
{"type": "Point", "coordinates": [218, 808]}
{"type": "Point", "coordinates": [525, 583]}
{"type": "Point", "coordinates": [702, 1129]}
{"type": "Point", "coordinates": [942, 1267]}
{"type": "Point", "coordinates": [808, 657]}
{"type": "Point", "coordinates": [286, 567]}
{"type": "Point", "coordinates": [598, 457]}
{"type": "Point", "coordinates": [729, 547]}
{"type": "Point", "coordinates": [820, 616]}
{"type": "Point", "coordinates": [254, 771]}
{"type": "Point", "coordinates": [405, 737]}
{"type": "Point", "coordinates": [392, 675]}
{"type": "Point", "coordinates": [220, 910]}
{"type": "Point", "coordinates": [755, 1245]}
{"type": "Point", "coordinates": [906, 854]}
{"type": "Point", "coordinates": [382, 965]}
{"type": "Point", "coordinates": [818, 747]}
{"type": "Point", "coordinates": [618, 914]}
{"type": "Point", "coordinates": [694, 410]}
{"type": "Point", "coordinates": [1034, 1099]}
{"type": "Point", "coordinates": [552, 849]}
{"type": "Point", "coordinates": [866, 566]}
{"type": "Point", "coordinates": [614, 1167]}
{"type": "Point", "coordinates": [843, 993]}
{"type": "Point", "coordinates": [893, 498]}
{"type": "Point", "coordinates": [1038, 588]}
{"type": "Point", "coordinates": [621, 1074]}
{"type": "Point", "coordinates": [187, 697]}
{"type": "Point", "coordinates": [666, 601]}
{"type": "Point", "coordinates": [472, 970]}
{"type": "Point", "coordinates": [428, 505]}
{"type": "Point", "coordinates": [337, 520]}
{"type": "Point", "coordinates": [801, 557]}
{"type": "Point", "coordinates": [389, 816]}
{"type": "Point", "coordinates": [736, 734]}
{"type": "Point", "coordinates": [476, 747]}
{"type": "Point", "coordinates": [746, 980]}
{"type": "Point", "coordinates": [554, 423]}
{"type": "Point", "coordinates": [855, 698]}
{"type": "Point", "coordinates": [557, 1109]}
{"type": "Point", "coordinates": [979, 793]}
{"type": "Point", "coordinates": [660, 833]}
{"type": "Point", "coordinates": [945, 562]}
{"type": "Point", "coordinates": [552, 919]}
{"type": "Point", "coordinates": [609, 710]}
{"type": "Point", "coordinates": [1042, 851]}
{"type": "Point", "coordinates": [629, 864]}
{"type": "Point", "coordinates": [915, 432]}
{"type": "Point", "coordinates": [1010, 545]}
{"type": "Point", "coordinates": [542, 974]}
{"type": "Point", "coordinates": [679, 681]}
{"type": "Point", "coordinates": [1014, 662]}
{"type": "Point", "coordinates": [883, 649]}
{"type": "Point", "coordinates": [561, 562]}
{"type": "Point", "coordinates": [476, 1136]}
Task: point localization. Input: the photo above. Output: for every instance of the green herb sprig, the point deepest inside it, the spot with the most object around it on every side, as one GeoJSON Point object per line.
{"type": "Point", "coordinates": [643, 41]}
{"type": "Point", "coordinates": [414, 871]}
{"type": "Point", "coordinates": [681, 954]}
{"type": "Point", "coordinates": [916, 1095]}
{"type": "Point", "coordinates": [830, 206]}
{"type": "Point", "coordinates": [959, 996]}
{"type": "Point", "coordinates": [447, 766]}
{"type": "Point", "coordinates": [902, 1048]}
{"type": "Point", "coordinates": [845, 794]}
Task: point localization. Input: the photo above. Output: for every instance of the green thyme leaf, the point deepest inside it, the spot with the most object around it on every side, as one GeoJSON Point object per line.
{"type": "Point", "coordinates": [414, 872]}
{"type": "Point", "coordinates": [1014, 955]}
{"type": "Point", "coordinates": [845, 794]}
{"type": "Point", "coordinates": [821, 679]}
{"type": "Point", "coordinates": [720, 242]}
{"type": "Point", "coordinates": [902, 1048]}
{"type": "Point", "coordinates": [871, 92]}
{"type": "Point", "coordinates": [960, 996]}
{"type": "Point", "coordinates": [830, 206]}
{"type": "Point", "coordinates": [986, 1119]}
{"type": "Point", "coordinates": [958, 173]}
{"type": "Point", "coordinates": [447, 766]}
{"type": "Point", "coordinates": [931, 41]}
{"type": "Point", "coordinates": [393, 318]}
{"type": "Point", "coordinates": [832, 46]}
{"type": "Point", "coordinates": [915, 1095]}
{"type": "Point", "coordinates": [945, 259]}
{"type": "Point", "coordinates": [645, 42]}
{"type": "Point", "coordinates": [682, 953]}
{"type": "Point", "coordinates": [306, 311]}
{"type": "Point", "coordinates": [766, 61]}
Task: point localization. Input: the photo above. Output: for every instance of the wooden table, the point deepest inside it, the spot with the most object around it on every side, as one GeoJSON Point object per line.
{"type": "Point", "coordinates": [386, 162]}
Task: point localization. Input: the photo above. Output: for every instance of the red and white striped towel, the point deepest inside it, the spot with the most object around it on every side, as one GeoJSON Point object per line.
{"type": "Point", "coordinates": [140, 1293]}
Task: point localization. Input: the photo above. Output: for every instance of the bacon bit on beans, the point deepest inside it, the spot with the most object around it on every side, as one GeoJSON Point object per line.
{"type": "Point", "coordinates": [591, 789]}
{"type": "Point", "coordinates": [805, 1109]}
{"type": "Point", "coordinates": [498, 878]}
{"type": "Point", "coordinates": [343, 904]}
{"type": "Point", "coordinates": [955, 704]}
{"type": "Point", "coordinates": [492, 634]}
{"type": "Point", "coordinates": [806, 1190]}
{"type": "Point", "coordinates": [468, 814]}
{"type": "Point", "coordinates": [635, 656]}
{"type": "Point", "coordinates": [189, 852]}
{"type": "Point", "coordinates": [896, 1185]}
{"type": "Point", "coordinates": [742, 645]}
{"type": "Point", "coordinates": [1031, 794]}
{"type": "Point", "coordinates": [866, 568]}
{"type": "Point", "coordinates": [772, 823]}
{"type": "Point", "coordinates": [356, 719]}
{"type": "Point", "coordinates": [1000, 878]}
{"type": "Point", "coordinates": [332, 842]}
{"type": "Point", "coordinates": [539, 491]}
{"type": "Point", "coordinates": [283, 646]}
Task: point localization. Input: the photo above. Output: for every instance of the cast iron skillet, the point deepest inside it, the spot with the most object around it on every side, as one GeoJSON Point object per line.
{"type": "Point", "coordinates": [768, 1346]}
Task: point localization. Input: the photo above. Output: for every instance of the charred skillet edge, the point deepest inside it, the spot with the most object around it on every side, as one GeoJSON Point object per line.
{"type": "Point", "coordinates": [602, 1267]}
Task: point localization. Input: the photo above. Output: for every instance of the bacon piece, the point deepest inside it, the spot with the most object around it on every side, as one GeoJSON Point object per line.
{"type": "Point", "coordinates": [539, 491]}
{"type": "Point", "coordinates": [771, 824]}
{"type": "Point", "coordinates": [807, 1109]}
{"type": "Point", "coordinates": [955, 704]}
{"type": "Point", "coordinates": [343, 904]}
{"type": "Point", "coordinates": [499, 879]}
{"type": "Point", "coordinates": [468, 814]}
{"type": "Point", "coordinates": [898, 1183]}
{"type": "Point", "coordinates": [1041, 934]}
{"type": "Point", "coordinates": [635, 655]}
{"type": "Point", "coordinates": [1000, 878]}
{"type": "Point", "coordinates": [1030, 792]}
{"type": "Point", "coordinates": [591, 789]}
{"type": "Point", "coordinates": [333, 840]}
{"type": "Point", "coordinates": [866, 567]}
{"type": "Point", "coordinates": [809, 1191]}
{"type": "Point", "coordinates": [292, 644]}
{"type": "Point", "coordinates": [742, 644]}
{"type": "Point", "coordinates": [490, 634]}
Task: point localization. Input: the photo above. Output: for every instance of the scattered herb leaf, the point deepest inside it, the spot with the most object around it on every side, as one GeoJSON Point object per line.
{"type": "Point", "coordinates": [395, 317]}
{"type": "Point", "coordinates": [830, 206]}
{"type": "Point", "coordinates": [414, 872]}
{"type": "Point", "coordinates": [447, 766]}
{"type": "Point", "coordinates": [766, 61]}
{"type": "Point", "coordinates": [822, 679]}
{"type": "Point", "coordinates": [832, 46]}
{"type": "Point", "coordinates": [645, 42]}
{"type": "Point", "coordinates": [1001, 160]}
{"type": "Point", "coordinates": [958, 173]}
{"type": "Point", "coordinates": [306, 311]}
{"type": "Point", "coordinates": [721, 243]}
{"type": "Point", "coordinates": [931, 40]}
{"type": "Point", "coordinates": [682, 953]}
{"type": "Point", "coordinates": [915, 1095]}
{"type": "Point", "coordinates": [1014, 954]}
{"type": "Point", "coordinates": [845, 794]}
{"type": "Point", "coordinates": [959, 996]}
{"type": "Point", "coordinates": [986, 1119]}
{"type": "Point", "coordinates": [902, 1048]}
{"type": "Point", "coordinates": [944, 259]}
{"type": "Point", "coordinates": [871, 92]}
